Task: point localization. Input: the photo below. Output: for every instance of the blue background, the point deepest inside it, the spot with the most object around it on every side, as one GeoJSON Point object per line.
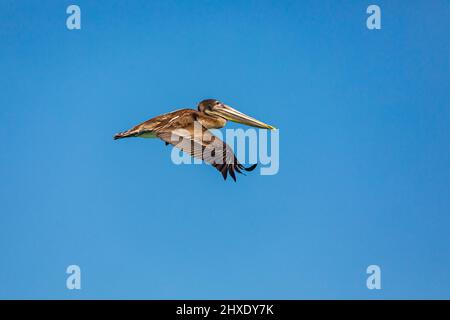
{"type": "Point", "coordinates": [364, 150]}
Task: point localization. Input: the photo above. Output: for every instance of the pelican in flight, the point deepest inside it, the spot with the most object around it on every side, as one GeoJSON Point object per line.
{"type": "Point", "coordinates": [180, 129]}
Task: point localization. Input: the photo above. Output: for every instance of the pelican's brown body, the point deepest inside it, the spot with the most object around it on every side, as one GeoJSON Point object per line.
{"type": "Point", "coordinates": [179, 129]}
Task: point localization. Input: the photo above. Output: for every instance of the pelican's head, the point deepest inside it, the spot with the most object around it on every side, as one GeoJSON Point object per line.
{"type": "Point", "coordinates": [216, 108]}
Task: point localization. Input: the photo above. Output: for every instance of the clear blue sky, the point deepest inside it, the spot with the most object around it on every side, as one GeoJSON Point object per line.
{"type": "Point", "coordinates": [364, 150]}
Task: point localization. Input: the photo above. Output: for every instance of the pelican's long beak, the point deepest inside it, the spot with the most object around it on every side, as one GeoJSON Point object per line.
{"type": "Point", "coordinates": [231, 114]}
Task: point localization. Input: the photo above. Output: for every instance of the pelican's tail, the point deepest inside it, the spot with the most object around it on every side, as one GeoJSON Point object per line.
{"type": "Point", "coordinates": [125, 134]}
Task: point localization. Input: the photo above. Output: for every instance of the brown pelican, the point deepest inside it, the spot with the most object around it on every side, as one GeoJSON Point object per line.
{"type": "Point", "coordinates": [180, 128]}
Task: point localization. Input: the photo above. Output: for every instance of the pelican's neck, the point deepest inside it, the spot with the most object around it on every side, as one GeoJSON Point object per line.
{"type": "Point", "coordinates": [210, 122]}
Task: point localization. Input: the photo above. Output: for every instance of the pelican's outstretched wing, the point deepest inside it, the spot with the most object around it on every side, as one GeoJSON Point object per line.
{"type": "Point", "coordinates": [175, 119]}
{"type": "Point", "coordinates": [205, 146]}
